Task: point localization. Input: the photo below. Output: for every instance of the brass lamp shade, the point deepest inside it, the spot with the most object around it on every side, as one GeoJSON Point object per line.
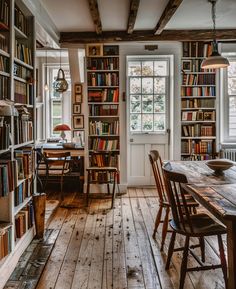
{"type": "Point", "coordinates": [216, 60]}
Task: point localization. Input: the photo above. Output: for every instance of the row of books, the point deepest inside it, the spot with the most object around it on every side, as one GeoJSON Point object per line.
{"type": "Point", "coordinates": [4, 43]}
{"type": "Point", "coordinates": [198, 79]}
{"type": "Point", "coordinates": [198, 130]}
{"type": "Point", "coordinates": [197, 147]}
{"type": "Point", "coordinates": [196, 157]}
{"type": "Point", "coordinates": [103, 110]}
{"type": "Point", "coordinates": [198, 91]}
{"type": "Point", "coordinates": [5, 240]}
{"type": "Point", "coordinates": [4, 64]}
{"type": "Point", "coordinates": [4, 87]}
{"type": "Point", "coordinates": [110, 63]}
{"type": "Point", "coordinates": [198, 103]}
{"type": "Point", "coordinates": [8, 176]}
{"type": "Point", "coordinates": [103, 128]}
{"type": "Point", "coordinates": [196, 49]}
{"type": "Point", "coordinates": [103, 95]}
{"type": "Point", "coordinates": [22, 191]}
{"type": "Point", "coordinates": [24, 220]}
{"type": "Point", "coordinates": [103, 79]}
{"type": "Point", "coordinates": [102, 177]}
{"type": "Point", "coordinates": [4, 13]}
{"type": "Point", "coordinates": [22, 72]}
{"type": "Point", "coordinates": [194, 65]}
{"type": "Point", "coordinates": [4, 134]}
{"type": "Point", "coordinates": [21, 21]}
{"type": "Point", "coordinates": [23, 52]}
{"type": "Point", "coordinates": [104, 160]}
{"type": "Point", "coordinates": [198, 116]}
{"type": "Point", "coordinates": [24, 92]}
{"type": "Point", "coordinates": [25, 161]}
{"type": "Point", "coordinates": [98, 144]}
{"type": "Point", "coordinates": [23, 130]}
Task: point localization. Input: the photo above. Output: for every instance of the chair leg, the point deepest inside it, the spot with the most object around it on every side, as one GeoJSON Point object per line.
{"type": "Point", "coordinates": [61, 185]}
{"type": "Point", "coordinates": [170, 250]}
{"type": "Point", "coordinates": [88, 189]}
{"type": "Point", "coordinates": [165, 227]}
{"type": "Point", "coordinates": [108, 189]}
{"type": "Point", "coordinates": [113, 192]}
{"type": "Point", "coordinates": [222, 258]}
{"type": "Point", "coordinates": [158, 220]}
{"type": "Point", "coordinates": [184, 263]}
{"type": "Point", "coordinates": [202, 246]}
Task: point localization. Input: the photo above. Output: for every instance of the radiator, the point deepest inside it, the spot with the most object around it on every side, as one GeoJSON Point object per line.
{"type": "Point", "coordinates": [229, 154]}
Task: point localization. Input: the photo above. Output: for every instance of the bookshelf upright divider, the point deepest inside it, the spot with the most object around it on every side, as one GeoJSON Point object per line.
{"type": "Point", "coordinates": [198, 104]}
{"type": "Point", "coordinates": [17, 159]}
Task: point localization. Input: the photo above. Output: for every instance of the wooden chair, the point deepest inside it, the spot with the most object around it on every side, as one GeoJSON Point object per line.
{"type": "Point", "coordinates": [190, 225]}
{"type": "Point", "coordinates": [102, 172]}
{"type": "Point", "coordinates": [53, 166]}
{"type": "Point", "coordinates": [156, 163]}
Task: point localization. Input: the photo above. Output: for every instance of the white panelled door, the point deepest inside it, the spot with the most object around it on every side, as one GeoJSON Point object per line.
{"type": "Point", "coordinates": [147, 114]}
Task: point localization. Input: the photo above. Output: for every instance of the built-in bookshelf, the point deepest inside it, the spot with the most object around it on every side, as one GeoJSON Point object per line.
{"type": "Point", "coordinates": [198, 104]}
{"type": "Point", "coordinates": [103, 109]}
{"type": "Point", "coordinates": [17, 45]}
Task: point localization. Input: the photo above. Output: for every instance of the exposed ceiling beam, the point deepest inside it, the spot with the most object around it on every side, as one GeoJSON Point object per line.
{"type": "Point", "coordinates": [169, 11]}
{"type": "Point", "coordinates": [147, 35]}
{"type": "Point", "coordinates": [134, 4]}
{"type": "Point", "coordinates": [93, 6]}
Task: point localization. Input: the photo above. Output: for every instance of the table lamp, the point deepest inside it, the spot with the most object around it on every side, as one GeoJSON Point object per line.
{"type": "Point", "coordinates": [62, 127]}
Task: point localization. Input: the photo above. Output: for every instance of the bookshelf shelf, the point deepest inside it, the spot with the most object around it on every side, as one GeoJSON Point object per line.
{"type": "Point", "coordinates": [102, 70]}
{"type": "Point", "coordinates": [102, 103]}
{"type": "Point", "coordinates": [198, 99]}
{"type": "Point", "coordinates": [22, 205]}
{"type": "Point", "coordinates": [19, 33]}
{"type": "Point", "coordinates": [20, 79]}
{"type": "Point", "coordinates": [4, 53]}
{"type": "Point", "coordinates": [23, 63]}
{"type": "Point", "coordinates": [103, 116]}
{"type": "Point", "coordinates": [4, 151]}
{"type": "Point", "coordinates": [4, 73]}
{"type": "Point", "coordinates": [23, 144]}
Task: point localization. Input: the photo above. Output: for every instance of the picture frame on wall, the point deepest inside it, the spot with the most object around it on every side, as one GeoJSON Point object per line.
{"type": "Point", "coordinates": [78, 121]}
{"type": "Point", "coordinates": [186, 65]}
{"type": "Point", "coordinates": [78, 88]}
{"type": "Point", "coordinates": [76, 108]}
{"type": "Point", "coordinates": [78, 98]}
{"type": "Point", "coordinates": [110, 50]}
{"type": "Point", "coordinates": [94, 50]}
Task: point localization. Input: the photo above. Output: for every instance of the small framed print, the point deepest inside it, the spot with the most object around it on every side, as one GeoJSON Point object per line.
{"type": "Point", "coordinates": [78, 88]}
{"type": "Point", "coordinates": [78, 121]}
{"type": "Point", "coordinates": [110, 50]}
{"type": "Point", "coordinates": [186, 65]}
{"type": "Point", "coordinates": [94, 50]}
{"type": "Point", "coordinates": [77, 108]}
{"type": "Point", "coordinates": [78, 98]}
{"type": "Point", "coordinates": [209, 115]}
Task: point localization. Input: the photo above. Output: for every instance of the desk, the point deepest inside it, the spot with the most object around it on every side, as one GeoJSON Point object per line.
{"type": "Point", "coordinates": [217, 193]}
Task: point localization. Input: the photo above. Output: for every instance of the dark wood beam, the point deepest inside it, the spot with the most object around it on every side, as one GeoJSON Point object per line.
{"type": "Point", "coordinates": [93, 6]}
{"type": "Point", "coordinates": [169, 11]}
{"type": "Point", "coordinates": [147, 35]}
{"type": "Point", "coordinates": [134, 4]}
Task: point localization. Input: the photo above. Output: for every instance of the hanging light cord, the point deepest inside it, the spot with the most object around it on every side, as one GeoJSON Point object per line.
{"type": "Point", "coordinates": [213, 15]}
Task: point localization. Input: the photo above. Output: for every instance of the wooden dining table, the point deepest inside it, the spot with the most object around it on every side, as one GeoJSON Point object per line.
{"type": "Point", "coordinates": [217, 193]}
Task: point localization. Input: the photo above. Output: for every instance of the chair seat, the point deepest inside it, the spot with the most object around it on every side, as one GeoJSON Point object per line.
{"type": "Point", "coordinates": [100, 169]}
{"type": "Point", "coordinates": [202, 224]}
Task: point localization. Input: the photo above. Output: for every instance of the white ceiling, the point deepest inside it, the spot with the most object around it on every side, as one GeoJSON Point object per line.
{"type": "Point", "coordinates": [74, 15]}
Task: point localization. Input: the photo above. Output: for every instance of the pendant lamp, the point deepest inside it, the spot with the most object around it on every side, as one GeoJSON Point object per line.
{"type": "Point", "coordinates": [46, 88]}
{"type": "Point", "coordinates": [215, 60]}
{"type": "Point", "coordinates": [60, 83]}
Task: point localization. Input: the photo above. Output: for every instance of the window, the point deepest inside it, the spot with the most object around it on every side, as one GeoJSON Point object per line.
{"type": "Point", "coordinates": [229, 103]}
{"type": "Point", "coordinates": [147, 88]}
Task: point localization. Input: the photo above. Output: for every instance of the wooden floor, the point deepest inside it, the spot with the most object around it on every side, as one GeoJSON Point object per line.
{"type": "Point", "coordinates": [101, 248]}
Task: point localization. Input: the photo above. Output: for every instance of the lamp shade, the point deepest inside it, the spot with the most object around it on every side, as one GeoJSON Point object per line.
{"type": "Point", "coordinates": [60, 83]}
{"type": "Point", "coordinates": [215, 61]}
{"type": "Point", "coordinates": [61, 127]}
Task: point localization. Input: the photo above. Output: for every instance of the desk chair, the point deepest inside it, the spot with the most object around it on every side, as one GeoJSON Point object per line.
{"type": "Point", "coordinates": [156, 163]}
{"type": "Point", "coordinates": [190, 225]}
{"type": "Point", "coordinates": [102, 171]}
{"type": "Point", "coordinates": [54, 165]}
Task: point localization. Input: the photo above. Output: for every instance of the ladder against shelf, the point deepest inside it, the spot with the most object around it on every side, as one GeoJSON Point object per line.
{"type": "Point", "coordinates": [198, 102]}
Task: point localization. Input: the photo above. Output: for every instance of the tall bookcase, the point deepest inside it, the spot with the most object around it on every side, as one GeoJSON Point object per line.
{"type": "Point", "coordinates": [17, 74]}
{"type": "Point", "coordinates": [103, 106]}
{"type": "Point", "coordinates": [198, 104]}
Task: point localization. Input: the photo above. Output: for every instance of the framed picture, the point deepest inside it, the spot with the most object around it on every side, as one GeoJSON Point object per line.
{"type": "Point", "coordinates": [79, 134]}
{"type": "Point", "coordinates": [77, 108]}
{"type": "Point", "coordinates": [186, 65]}
{"type": "Point", "coordinates": [78, 121]}
{"type": "Point", "coordinates": [94, 50]}
{"type": "Point", "coordinates": [78, 88]}
{"type": "Point", "coordinates": [78, 98]}
{"type": "Point", "coordinates": [110, 50]}
{"type": "Point", "coordinates": [209, 115]}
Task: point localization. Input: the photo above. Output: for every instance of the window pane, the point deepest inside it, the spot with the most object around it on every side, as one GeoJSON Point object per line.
{"type": "Point", "coordinates": [135, 106]}
{"type": "Point", "coordinates": [147, 122]}
{"type": "Point", "coordinates": [56, 109]}
{"type": "Point", "coordinates": [232, 116]}
{"type": "Point", "coordinates": [147, 68]}
{"type": "Point", "coordinates": [159, 122]}
{"type": "Point", "coordinates": [147, 85]}
{"type": "Point", "coordinates": [159, 85]}
{"type": "Point", "coordinates": [56, 121]}
{"type": "Point", "coordinates": [135, 85]}
{"type": "Point", "coordinates": [159, 103]}
{"type": "Point", "coordinates": [135, 122]}
{"type": "Point", "coordinates": [160, 68]}
{"type": "Point", "coordinates": [135, 97]}
{"type": "Point", "coordinates": [147, 105]}
{"type": "Point", "coordinates": [232, 69]}
{"type": "Point", "coordinates": [232, 86]}
{"type": "Point", "coordinates": [134, 68]}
